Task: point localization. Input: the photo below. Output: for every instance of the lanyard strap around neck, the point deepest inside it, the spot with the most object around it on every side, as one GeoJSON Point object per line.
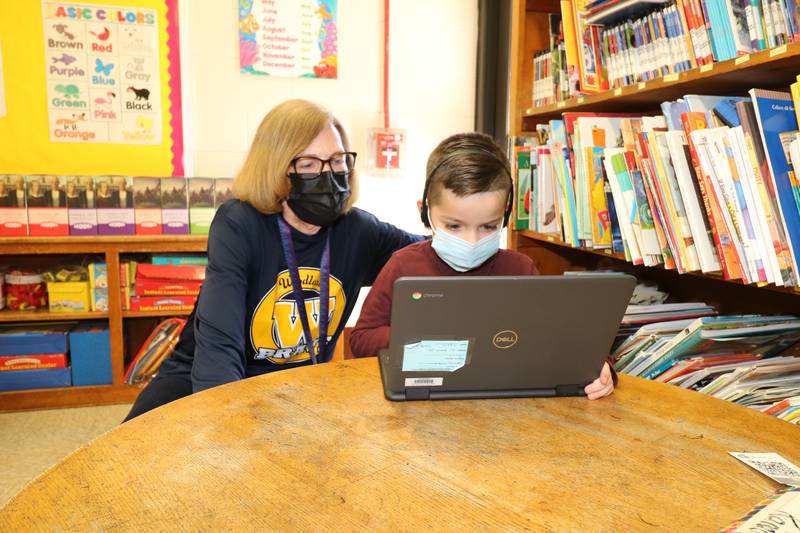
{"type": "Point", "coordinates": [297, 289]}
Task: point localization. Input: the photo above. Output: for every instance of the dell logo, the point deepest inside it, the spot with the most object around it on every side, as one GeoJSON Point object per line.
{"type": "Point", "coordinates": [505, 339]}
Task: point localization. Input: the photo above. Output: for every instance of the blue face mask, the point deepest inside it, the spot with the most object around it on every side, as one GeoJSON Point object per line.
{"type": "Point", "coordinates": [460, 254]}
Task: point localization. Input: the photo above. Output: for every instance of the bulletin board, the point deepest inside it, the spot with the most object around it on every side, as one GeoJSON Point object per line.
{"type": "Point", "coordinates": [91, 87]}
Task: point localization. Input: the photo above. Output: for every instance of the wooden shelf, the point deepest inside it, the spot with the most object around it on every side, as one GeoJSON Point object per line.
{"type": "Point", "coordinates": [68, 397]}
{"type": "Point", "coordinates": [45, 315]}
{"type": "Point", "coordinates": [149, 314]}
{"type": "Point", "coordinates": [102, 243]}
{"type": "Point", "coordinates": [542, 237]}
{"type": "Point", "coordinates": [111, 248]}
{"type": "Point", "coordinates": [768, 69]}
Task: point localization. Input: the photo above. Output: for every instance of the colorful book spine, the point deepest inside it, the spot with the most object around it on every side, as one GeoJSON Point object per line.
{"type": "Point", "coordinates": [601, 226]}
{"type": "Point", "coordinates": [697, 121]}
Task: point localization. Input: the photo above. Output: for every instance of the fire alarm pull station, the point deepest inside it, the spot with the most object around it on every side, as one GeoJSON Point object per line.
{"type": "Point", "coordinates": [387, 151]}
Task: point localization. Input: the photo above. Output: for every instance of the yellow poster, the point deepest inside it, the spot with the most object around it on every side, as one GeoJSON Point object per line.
{"type": "Point", "coordinates": [91, 88]}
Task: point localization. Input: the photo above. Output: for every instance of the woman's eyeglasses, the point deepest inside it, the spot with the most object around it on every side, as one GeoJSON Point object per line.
{"type": "Point", "coordinates": [340, 163]}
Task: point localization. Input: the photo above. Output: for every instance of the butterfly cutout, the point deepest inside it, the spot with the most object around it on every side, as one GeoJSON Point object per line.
{"type": "Point", "coordinates": [105, 69]}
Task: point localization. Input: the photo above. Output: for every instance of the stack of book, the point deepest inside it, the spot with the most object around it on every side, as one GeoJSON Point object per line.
{"type": "Point", "coordinates": [637, 316]}
{"type": "Point", "coordinates": [168, 284]}
{"type": "Point", "coordinates": [750, 359]}
{"type": "Point", "coordinates": [604, 44]}
{"type": "Point", "coordinates": [787, 409]}
{"type": "Point", "coordinates": [709, 186]}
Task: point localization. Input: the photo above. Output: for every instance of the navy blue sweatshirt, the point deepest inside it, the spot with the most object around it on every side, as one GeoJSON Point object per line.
{"type": "Point", "coordinates": [245, 322]}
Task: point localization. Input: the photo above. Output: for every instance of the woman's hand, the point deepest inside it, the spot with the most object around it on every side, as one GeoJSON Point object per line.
{"type": "Point", "coordinates": [602, 386]}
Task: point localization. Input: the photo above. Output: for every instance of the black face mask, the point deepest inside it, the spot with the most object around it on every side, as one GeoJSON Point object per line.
{"type": "Point", "coordinates": [319, 199]}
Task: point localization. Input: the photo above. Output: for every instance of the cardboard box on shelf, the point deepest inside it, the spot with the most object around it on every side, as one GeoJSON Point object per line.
{"type": "Point", "coordinates": [13, 214]}
{"type": "Point", "coordinates": [46, 199]}
{"type": "Point", "coordinates": [68, 296]}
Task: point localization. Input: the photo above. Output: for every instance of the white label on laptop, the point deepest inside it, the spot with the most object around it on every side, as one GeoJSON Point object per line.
{"type": "Point", "coordinates": [772, 465]}
{"type": "Point", "coordinates": [435, 356]}
{"type": "Point", "coordinates": [424, 382]}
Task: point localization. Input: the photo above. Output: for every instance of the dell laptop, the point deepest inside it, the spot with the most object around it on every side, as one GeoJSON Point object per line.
{"type": "Point", "coordinates": [501, 337]}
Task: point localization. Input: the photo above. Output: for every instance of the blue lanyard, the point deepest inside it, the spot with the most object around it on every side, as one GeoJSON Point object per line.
{"type": "Point", "coordinates": [297, 288]}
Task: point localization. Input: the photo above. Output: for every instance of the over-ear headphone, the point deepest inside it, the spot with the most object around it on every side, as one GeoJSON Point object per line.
{"type": "Point", "coordinates": [425, 217]}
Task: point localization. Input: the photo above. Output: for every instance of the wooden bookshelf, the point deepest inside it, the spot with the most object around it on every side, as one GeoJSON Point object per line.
{"type": "Point", "coordinates": [44, 315]}
{"type": "Point", "coordinates": [769, 69]}
{"type": "Point", "coordinates": [112, 248]}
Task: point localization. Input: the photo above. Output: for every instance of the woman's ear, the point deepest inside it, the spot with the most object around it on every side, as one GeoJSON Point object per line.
{"type": "Point", "coordinates": [419, 206]}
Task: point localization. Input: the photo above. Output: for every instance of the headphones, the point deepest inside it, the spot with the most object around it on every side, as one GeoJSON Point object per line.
{"type": "Point", "coordinates": [425, 217]}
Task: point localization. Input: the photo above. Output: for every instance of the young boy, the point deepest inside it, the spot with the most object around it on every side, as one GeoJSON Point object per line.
{"type": "Point", "coordinates": [466, 202]}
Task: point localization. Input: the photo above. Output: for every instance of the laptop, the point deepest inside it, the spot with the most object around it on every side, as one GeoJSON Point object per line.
{"type": "Point", "coordinates": [501, 336]}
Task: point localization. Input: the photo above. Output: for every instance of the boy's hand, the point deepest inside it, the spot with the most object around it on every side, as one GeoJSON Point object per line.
{"type": "Point", "coordinates": [602, 386]}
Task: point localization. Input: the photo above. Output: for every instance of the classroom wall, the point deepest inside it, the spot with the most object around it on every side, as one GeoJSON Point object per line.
{"type": "Point", "coordinates": [432, 89]}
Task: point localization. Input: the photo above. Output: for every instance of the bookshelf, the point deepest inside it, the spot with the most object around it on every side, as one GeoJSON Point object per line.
{"type": "Point", "coordinates": [769, 69]}
{"type": "Point", "coordinates": [112, 248]}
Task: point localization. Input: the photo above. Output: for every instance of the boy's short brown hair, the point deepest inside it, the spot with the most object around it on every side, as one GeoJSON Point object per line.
{"type": "Point", "coordinates": [467, 163]}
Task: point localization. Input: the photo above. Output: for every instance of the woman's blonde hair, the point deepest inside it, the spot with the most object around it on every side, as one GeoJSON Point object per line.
{"type": "Point", "coordinates": [285, 132]}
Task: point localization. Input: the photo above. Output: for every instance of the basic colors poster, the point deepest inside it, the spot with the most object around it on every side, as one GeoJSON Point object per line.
{"type": "Point", "coordinates": [92, 88]}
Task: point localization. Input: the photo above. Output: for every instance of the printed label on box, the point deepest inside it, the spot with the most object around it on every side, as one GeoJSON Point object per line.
{"type": "Point", "coordinates": [175, 221]}
{"type": "Point", "coordinates": [13, 222]}
{"type": "Point", "coordinates": [82, 222]}
{"type": "Point", "coordinates": [148, 221]}
{"type": "Point", "coordinates": [48, 221]}
{"type": "Point", "coordinates": [116, 222]}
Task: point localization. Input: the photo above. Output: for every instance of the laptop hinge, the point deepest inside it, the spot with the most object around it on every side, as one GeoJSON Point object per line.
{"type": "Point", "coordinates": [569, 390]}
{"type": "Point", "coordinates": [418, 394]}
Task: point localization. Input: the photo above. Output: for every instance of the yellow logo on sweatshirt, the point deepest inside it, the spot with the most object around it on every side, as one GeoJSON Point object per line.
{"type": "Point", "coordinates": [276, 331]}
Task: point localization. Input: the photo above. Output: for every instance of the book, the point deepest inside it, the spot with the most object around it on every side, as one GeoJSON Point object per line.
{"type": "Point", "coordinates": [114, 202]}
{"type": "Point", "coordinates": [691, 195]}
{"type": "Point", "coordinates": [201, 205]}
{"type": "Point", "coordinates": [147, 205]}
{"type": "Point", "coordinates": [13, 213]}
{"type": "Point", "coordinates": [45, 197]}
{"type": "Point", "coordinates": [174, 206]}
{"type": "Point", "coordinates": [81, 211]}
{"type": "Point", "coordinates": [522, 166]}
{"type": "Point", "coordinates": [775, 115]}
{"type": "Point", "coordinates": [695, 122]}
{"type": "Point", "coordinates": [768, 206]}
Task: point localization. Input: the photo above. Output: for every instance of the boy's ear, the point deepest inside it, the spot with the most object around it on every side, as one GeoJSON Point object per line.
{"type": "Point", "coordinates": [419, 205]}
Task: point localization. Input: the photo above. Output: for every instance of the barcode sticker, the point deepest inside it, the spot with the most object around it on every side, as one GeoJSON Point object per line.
{"type": "Point", "coordinates": [581, 99]}
{"type": "Point", "coordinates": [642, 85]}
{"type": "Point", "coordinates": [772, 465]}
{"type": "Point", "coordinates": [742, 59]}
{"type": "Point", "coordinates": [561, 104]}
{"type": "Point", "coordinates": [618, 91]}
{"type": "Point", "coordinates": [707, 67]}
{"type": "Point", "coordinates": [424, 382]}
{"type": "Point", "coordinates": [671, 77]}
{"type": "Point", "coordinates": [777, 51]}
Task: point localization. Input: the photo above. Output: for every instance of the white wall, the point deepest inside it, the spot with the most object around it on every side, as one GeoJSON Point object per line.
{"type": "Point", "coordinates": [432, 88]}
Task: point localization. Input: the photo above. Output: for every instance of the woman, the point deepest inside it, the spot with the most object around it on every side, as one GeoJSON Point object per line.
{"type": "Point", "coordinates": [286, 260]}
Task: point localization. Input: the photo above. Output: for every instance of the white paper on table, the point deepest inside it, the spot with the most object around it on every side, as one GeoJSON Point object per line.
{"type": "Point", "coordinates": [771, 465]}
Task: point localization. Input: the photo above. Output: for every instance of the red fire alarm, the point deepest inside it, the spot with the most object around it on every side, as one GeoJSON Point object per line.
{"type": "Point", "coordinates": [387, 151]}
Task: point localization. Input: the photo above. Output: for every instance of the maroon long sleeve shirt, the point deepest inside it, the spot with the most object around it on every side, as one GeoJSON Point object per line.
{"type": "Point", "coordinates": [371, 333]}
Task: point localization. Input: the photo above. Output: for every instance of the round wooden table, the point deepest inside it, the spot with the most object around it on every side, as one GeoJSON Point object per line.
{"type": "Point", "coordinates": [319, 448]}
